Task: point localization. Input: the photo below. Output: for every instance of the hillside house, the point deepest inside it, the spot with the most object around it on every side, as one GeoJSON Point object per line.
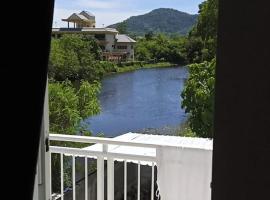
{"type": "Point", "coordinates": [115, 46]}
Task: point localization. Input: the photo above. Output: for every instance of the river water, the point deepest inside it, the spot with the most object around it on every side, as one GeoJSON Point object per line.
{"type": "Point", "coordinates": [140, 101]}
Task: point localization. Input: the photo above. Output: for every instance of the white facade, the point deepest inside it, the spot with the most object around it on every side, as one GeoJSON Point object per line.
{"type": "Point", "coordinates": [126, 47]}
{"type": "Point", "coordinates": [114, 45]}
{"type": "Point", "coordinates": [110, 39]}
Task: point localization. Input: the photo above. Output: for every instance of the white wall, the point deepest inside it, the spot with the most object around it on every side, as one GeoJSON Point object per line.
{"type": "Point", "coordinates": [110, 38]}
{"type": "Point", "coordinates": [184, 173]}
{"type": "Point", "coordinates": [129, 49]}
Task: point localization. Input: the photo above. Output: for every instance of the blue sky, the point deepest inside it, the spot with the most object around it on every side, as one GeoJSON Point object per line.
{"type": "Point", "coordinates": [108, 12]}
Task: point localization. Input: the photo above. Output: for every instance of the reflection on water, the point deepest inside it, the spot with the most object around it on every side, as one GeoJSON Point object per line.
{"type": "Point", "coordinates": [139, 100]}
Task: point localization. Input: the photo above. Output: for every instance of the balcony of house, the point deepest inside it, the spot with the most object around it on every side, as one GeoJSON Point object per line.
{"type": "Point", "coordinates": [134, 166]}
{"type": "Point", "coordinates": [120, 51]}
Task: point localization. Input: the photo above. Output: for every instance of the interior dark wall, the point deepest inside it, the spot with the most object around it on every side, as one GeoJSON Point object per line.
{"type": "Point", "coordinates": [24, 55]}
{"type": "Point", "coordinates": [241, 156]}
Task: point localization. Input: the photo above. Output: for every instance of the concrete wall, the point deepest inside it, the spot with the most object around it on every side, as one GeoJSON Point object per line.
{"type": "Point", "coordinates": [110, 38]}
{"type": "Point", "coordinates": [129, 49]}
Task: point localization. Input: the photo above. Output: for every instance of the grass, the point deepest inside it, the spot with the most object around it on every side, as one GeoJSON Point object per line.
{"type": "Point", "coordinates": [144, 66]}
{"type": "Point", "coordinates": [185, 131]}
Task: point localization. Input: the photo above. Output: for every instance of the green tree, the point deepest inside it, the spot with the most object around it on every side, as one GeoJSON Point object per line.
{"type": "Point", "coordinates": [176, 51]}
{"type": "Point", "coordinates": [202, 39]}
{"type": "Point", "coordinates": [200, 48]}
{"type": "Point", "coordinates": [161, 48]}
{"type": "Point", "coordinates": [122, 27]}
{"type": "Point", "coordinates": [149, 35]}
{"type": "Point", "coordinates": [142, 52]}
{"type": "Point", "coordinates": [198, 97]}
{"type": "Point", "coordinates": [75, 57]}
{"type": "Point", "coordinates": [68, 107]}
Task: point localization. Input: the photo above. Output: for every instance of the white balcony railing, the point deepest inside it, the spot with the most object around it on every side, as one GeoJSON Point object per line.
{"type": "Point", "coordinates": [102, 155]}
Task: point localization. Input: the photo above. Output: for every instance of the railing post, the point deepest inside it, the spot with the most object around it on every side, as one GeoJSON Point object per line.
{"type": "Point", "coordinates": [125, 180]}
{"type": "Point", "coordinates": [62, 175]}
{"type": "Point", "coordinates": [50, 176]}
{"type": "Point", "coordinates": [73, 178]}
{"type": "Point", "coordinates": [86, 178]}
{"type": "Point", "coordinates": [152, 181]}
{"type": "Point", "coordinates": [110, 179]}
{"type": "Point", "coordinates": [100, 174]}
{"type": "Point", "coordinates": [139, 181]}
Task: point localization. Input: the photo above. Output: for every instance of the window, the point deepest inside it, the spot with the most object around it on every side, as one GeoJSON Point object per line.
{"type": "Point", "coordinates": [100, 36]}
{"type": "Point", "coordinates": [121, 47]}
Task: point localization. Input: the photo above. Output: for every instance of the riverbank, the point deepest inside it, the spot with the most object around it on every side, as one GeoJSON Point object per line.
{"type": "Point", "coordinates": [144, 66]}
{"type": "Point", "coordinates": [128, 68]}
{"type": "Point", "coordinates": [182, 130]}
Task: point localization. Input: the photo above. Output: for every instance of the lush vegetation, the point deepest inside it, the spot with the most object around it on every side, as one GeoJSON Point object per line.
{"type": "Point", "coordinates": [122, 27]}
{"type": "Point", "coordinates": [160, 48]}
{"type": "Point", "coordinates": [131, 66]}
{"type": "Point", "coordinates": [77, 57]}
{"type": "Point", "coordinates": [202, 39]}
{"type": "Point", "coordinates": [69, 106]}
{"type": "Point", "coordinates": [198, 95]}
{"type": "Point", "coordinates": [162, 20]}
{"type": "Point", "coordinates": [74, 71]}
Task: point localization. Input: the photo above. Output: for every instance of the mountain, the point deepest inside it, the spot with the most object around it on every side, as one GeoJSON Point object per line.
{"type": "Point", "coordinates": [165, 20]}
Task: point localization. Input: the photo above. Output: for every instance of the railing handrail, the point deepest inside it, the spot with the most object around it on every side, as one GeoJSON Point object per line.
{"type": "Point", "coordinates": [100, 140]}
{"type": "Point", "coordinates": [91, 153]}
{"type": "Point", "coordinates": [101, 156]}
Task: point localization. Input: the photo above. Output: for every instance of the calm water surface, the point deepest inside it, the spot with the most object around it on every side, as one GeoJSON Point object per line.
{"type": "Point", "coordinates": [143, 99]}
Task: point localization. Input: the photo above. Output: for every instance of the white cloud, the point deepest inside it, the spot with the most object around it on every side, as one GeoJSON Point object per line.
{"type": "Point", "coordinates": [99, 4]}
{"type": "Point", "coordinates": [102, 17]}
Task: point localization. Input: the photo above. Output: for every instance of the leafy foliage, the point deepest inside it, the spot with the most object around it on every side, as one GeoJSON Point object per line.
{"type": "Point", "coordinates": [68, 106]}
{"type": "Point", "coordinates": [202, 39]}
{"type": "Point", "coordinates": [200, 48]}
{"type": "Point", "coordinates": [75, 57]}
{"type": "Point", "coordinates": [198, 97]}
{"type": "Point", "coordinates": [161, 48]}
{"type": "Point", "coordinates": [122, 27]}
{"type": "Point", "coordinates": [162, 20]}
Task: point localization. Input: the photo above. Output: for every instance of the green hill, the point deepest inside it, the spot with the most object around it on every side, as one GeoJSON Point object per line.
{"type": "Point", "coordinates": [162, 20]}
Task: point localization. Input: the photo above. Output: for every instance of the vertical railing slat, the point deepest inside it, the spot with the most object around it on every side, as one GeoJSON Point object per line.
{"type": "Point", "coordinates": [50, 174]}
{"type": "Point", "coordinates": [125, 180]}
{"type": "Point", "coordinates": [110, 179]}
{"type": "Point", "coordinates": [139, 181]}
{"type": "Point", "coordinates": [73, 178]}
{"type": "Point", "coordinates": [100, 178]}
{"type": "Point", "coordinates": [62, 176]}
{"type": "Point", "coordinates": [152, 181]}
{"type": "Point", "coordinates": [100, 174]}
{"type": "Point", "coordinates": [86, 179]}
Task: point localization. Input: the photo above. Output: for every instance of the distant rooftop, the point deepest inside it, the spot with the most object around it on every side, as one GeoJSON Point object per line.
{"type": "Point", "coordinates": [85, 13]}
{"type": "Point", "coordinates": [124, 38]}
{"type": "Point", "coordinates": [86, 30]}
